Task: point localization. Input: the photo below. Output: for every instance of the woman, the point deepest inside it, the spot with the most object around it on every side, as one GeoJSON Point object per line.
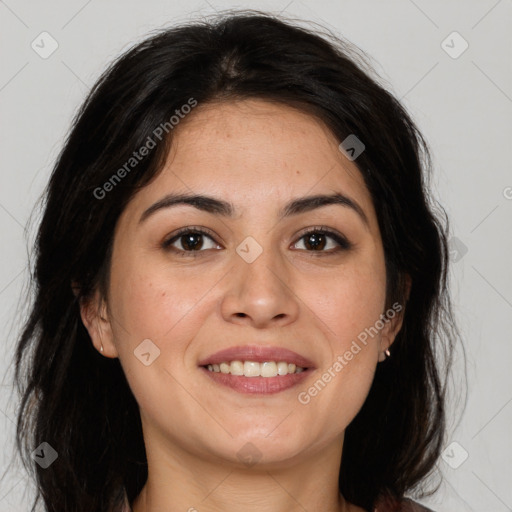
{"type": "Point", "coordinates": [240, 285]}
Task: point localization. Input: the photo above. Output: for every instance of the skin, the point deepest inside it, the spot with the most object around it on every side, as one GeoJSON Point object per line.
{"type": "Point", "coordinates": [258, 156]}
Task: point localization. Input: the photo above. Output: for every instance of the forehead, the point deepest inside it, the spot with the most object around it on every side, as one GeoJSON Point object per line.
{"type": "Point", "coordinates": [254, 152]}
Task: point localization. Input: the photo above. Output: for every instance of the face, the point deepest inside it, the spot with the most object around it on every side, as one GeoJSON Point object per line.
{"type": "Point", "coordinates": [261, 268]}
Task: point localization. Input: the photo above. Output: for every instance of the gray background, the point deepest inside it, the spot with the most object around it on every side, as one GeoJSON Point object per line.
{"type": "Point", "coordinates": [462, 105]}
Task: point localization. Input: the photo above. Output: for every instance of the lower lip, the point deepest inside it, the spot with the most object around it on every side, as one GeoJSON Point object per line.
{"type": "Point", "coordinates": [258, 385]}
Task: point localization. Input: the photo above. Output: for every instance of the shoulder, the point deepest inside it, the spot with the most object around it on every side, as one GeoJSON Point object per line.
{"type": "Point", "coordinates": [408, 505]}
{"type": "Point", "coordinates": [405, 505]}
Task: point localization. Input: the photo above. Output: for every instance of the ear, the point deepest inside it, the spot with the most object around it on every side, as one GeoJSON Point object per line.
{"type": "Point", "coordinates": [394, 317]}
{"type": "Point", "coordinates": [95, 317]}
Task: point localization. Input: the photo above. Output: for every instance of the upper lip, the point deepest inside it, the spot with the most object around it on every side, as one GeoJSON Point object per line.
{"type": "Point", "coordinates": [256, 353]}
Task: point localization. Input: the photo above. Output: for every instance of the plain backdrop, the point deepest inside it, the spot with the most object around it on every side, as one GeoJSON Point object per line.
{"type": "Point", "coordinates": [460, 97]}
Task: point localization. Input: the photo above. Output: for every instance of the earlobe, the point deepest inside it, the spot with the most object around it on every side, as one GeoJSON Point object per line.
{"type": "Point", "coordinates": [95, 318]}
{"type": "Point", "coordinates": [393, 324]}
{"type": "Point", "coordinates": [383, 354]}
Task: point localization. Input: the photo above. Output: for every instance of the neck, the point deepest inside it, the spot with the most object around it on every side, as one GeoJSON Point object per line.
{"type": "Point", "coordinates": [181, 481]}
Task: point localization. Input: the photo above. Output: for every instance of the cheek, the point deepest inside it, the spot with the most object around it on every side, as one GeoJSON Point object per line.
{"type": "Point", "coordinates": [348, 306]}
{"type": "Point", "coordinates": [150, 302]}
{"type": "Point", "coordinates": [348, 303]}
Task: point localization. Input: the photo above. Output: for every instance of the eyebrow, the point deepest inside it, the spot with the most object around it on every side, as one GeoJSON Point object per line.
{"type": "Point", "coordinates": [225, 209]}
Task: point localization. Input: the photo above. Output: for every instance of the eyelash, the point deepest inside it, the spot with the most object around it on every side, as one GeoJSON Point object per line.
{"type": "Point", "coordinates": [343, 243]}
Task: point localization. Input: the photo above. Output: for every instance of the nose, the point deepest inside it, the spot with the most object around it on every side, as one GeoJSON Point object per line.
{"type": "Point", "coordinates": [260, 294]}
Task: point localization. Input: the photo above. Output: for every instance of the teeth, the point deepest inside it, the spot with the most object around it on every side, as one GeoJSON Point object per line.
{"type": "Point", "coordinates": [251, 369]}
{"type": "Point", "coordinates": [254, 369]}
{"type": "Point", "coordinates": [236, 368]}
{"type": "Point", "coordinates": [268, 369]}
{"type": "Point", "coordinates": [282, 368]}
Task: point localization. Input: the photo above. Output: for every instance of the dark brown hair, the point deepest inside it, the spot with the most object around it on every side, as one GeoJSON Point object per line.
{"type": "Point", "coordinates": [79, 402]}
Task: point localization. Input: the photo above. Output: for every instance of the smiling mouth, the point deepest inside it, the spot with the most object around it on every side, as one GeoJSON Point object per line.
{"type": "Point", "coordinates": [256, 369]}
{"type": "Point", "coordinates": [254, 378]}
{"type": "Point", "coordinates": [265, 369]}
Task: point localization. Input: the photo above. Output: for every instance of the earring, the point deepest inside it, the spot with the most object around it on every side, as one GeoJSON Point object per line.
{"type": "Point", "coordinates": [387, 352]}
{"type": "Point", "coordinates": [101, 348]}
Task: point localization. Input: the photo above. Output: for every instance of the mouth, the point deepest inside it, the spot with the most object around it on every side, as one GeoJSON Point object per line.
{"type": "Point", "coordinates": [256, 369]}
{"type": "Point", "coordinates": [267, 369]}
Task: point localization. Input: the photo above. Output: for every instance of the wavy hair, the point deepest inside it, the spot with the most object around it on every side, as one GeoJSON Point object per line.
{"type": "Point", "coordinates": [80, 402]}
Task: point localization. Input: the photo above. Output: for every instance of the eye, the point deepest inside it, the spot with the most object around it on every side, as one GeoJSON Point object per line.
{"type": "Point", "coordinates": [196, 240]}
{"type": "Point", "coordinates": [322, 239]}
{"type": "Point", "coordinates": [190, 240]}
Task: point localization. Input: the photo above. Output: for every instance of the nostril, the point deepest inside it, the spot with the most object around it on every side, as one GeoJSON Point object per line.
{"type": "Point", "coordinates": [241, 315]}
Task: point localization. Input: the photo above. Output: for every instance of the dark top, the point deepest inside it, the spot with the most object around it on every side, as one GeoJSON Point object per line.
{"type": "Point", "coordinates": [406, 505]}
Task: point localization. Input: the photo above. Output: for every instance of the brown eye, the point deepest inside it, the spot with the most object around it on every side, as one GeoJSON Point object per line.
{"type": "Point", "coordinates": [315, 241]}
{"type": "Point", "coordinates": [322, 240]}
{"type": "Point", "coordinates": [190, 240]}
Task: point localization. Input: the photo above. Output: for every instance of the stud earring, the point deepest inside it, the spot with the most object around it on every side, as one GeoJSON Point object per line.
{"type": "Point", "coordinates": [387, 352]}
{"type": "Point", "coordinates": [101, 348]}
